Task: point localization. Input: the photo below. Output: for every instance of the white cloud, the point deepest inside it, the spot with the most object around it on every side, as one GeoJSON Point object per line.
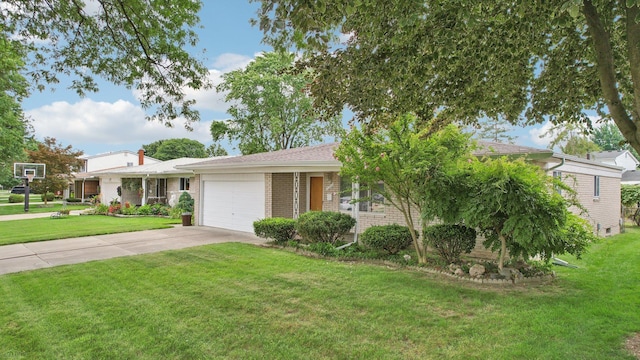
{"type": "Point", "coordinates": [537, 137]}
{"type": "Point", "coordinates": [211, 99]}
{"type": "Point", "coordinates": [108, 124]}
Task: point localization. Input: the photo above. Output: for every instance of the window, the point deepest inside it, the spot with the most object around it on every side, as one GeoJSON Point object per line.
{"type": "Point", "coordinates": [557, 175]}
{"type": "Point", "coordinates": [184, 184]}
{"type": "Point", "coordinates": [596, 186]}
{"type": "Point", "coordinates": [372, 202]}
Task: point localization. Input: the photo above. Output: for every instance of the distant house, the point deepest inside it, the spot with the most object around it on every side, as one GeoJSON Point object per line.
{"type": "Point", "coordinates": [86, 185]}
{"type": "Point", "coordinates": [232, 193]}
{"type": "Point", "coordinates": [622, 158]}
{"type": "Point", "coordinates": [159, 182]}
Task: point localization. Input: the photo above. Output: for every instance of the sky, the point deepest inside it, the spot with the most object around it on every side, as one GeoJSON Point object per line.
{"type": "Point", "coordinates": [113, 120]}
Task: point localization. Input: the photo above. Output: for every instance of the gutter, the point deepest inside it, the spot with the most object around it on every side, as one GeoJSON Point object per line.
{"type": "Point", "coordinates": [562, 160]}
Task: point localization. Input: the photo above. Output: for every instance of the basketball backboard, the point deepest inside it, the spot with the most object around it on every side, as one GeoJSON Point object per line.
{"type": "Point", "coordinates": [29, 171]}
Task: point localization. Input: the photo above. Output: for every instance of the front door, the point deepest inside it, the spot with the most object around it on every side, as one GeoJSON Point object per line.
{"type": "Point", "coordinates": [315, 193]}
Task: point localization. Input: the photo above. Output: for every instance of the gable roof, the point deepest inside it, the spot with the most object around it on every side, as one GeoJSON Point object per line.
{"type": "Point", "coordinates": [631, 176]}
{"type": "Point", "coordinates": [609, 154]}
{"type": "Point", "coordinates": [161, 168]}
{"type": "Point", "coordinates": [314, 156]}
{"type": "Point", "coordinates": [487, 148]}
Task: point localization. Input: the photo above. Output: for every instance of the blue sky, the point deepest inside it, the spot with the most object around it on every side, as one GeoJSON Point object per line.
{"type": "Point", "coordinates": [112, 119]}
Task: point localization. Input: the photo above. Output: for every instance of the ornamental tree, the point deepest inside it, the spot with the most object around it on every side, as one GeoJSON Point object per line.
{"type": "Point", "coordinates": [516, 207]}
{"type": "Point", "coordinates": [465, 60]}
{"type": "Point", "coordinates": [60, 160]}
{"type": "Point", "coordinates": [412, 166]}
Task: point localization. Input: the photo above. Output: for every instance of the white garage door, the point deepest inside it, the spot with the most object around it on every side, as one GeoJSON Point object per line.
{"type": "Point", "coordinates": [233, 201]}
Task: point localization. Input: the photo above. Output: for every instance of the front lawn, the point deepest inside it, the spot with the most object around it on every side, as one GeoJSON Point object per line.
{"type": "Point", "coordinates": [29, 230]}
{"type": "Point", "coordinates": [244, 302]}
{"type": "Point", "coordinates": [37, 208]}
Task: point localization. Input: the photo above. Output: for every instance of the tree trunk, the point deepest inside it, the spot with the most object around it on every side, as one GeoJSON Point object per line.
{"type": "Point", "coordinates": [503, 250]}
{"type": "Point", "coordinates": [607, 72]}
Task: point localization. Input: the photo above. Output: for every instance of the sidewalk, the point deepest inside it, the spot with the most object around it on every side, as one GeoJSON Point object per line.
{"type": "Point", "coordinates": [37, 255]}
{"type": "Point", "coordinates": [34, 215]}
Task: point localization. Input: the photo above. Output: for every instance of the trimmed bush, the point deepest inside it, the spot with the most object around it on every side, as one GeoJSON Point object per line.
{"type": "Point", "coordinates": [15, 198]}
{"type": "Point", "coordinates": [279, 229]}
{"type": "Point", "coordinates": [74, 200]}
{"type": "Point", "coordinates": [324, 226]}
{"type": "Point", "coordinates": [450, 241]}
{"type": "Point", "coordinates": [49, 196]}
{"type": "Point", "coordinates": [389, 238]}
{"type": "Point", "coordinates": [185, 202]}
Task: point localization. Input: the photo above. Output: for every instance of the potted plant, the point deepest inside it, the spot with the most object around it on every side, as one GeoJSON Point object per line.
{"type": "Point", "coordinates": [185, 203]}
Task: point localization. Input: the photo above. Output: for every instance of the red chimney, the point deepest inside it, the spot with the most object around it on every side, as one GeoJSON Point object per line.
{"type": "Point", "coordinates": [141, 157]}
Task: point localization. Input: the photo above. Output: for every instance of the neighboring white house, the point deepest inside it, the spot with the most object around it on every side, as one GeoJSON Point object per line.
{"type": "Point", "coordinates": [115, 159]}
{"type": "Point", "coordinates": [87, 185]}
{"type": "Point", "coordinates": [622, 158]}
{"type": "Point", "coordinates": [159, 182]}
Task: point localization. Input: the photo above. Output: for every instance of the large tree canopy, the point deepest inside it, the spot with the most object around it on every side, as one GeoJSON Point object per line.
{"type": "Point", "coordinates": [175, 148]}
{"type": "Point", "coordinates": [13, 124]}
{"type": "Point", "coordinates": [143, 45]}
{"type": "Point", "coordinates": [464, 60]}
{"type": "Point", "coordinates": [271, 109]}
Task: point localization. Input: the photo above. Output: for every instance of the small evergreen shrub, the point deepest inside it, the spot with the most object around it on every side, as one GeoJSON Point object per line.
{"type": "Point", "coordinates": [101, 209]}
{"type": "Point", "coordinates": [279, 229]}
{"type": "Point", "coordinates": [324, 226]}
{"type": "Point", "coordinates": [450, 241]}
{"type": "Point", "coordinates": [48, 196]}
{"type": "Point", "coordinates": [389, 238]}
{"type": "Point", "coordinates": [15, 198]}
{"type": "Point", "coordinates": [185, 202]}
{"type": "Point", "coordinates": [73, 200]}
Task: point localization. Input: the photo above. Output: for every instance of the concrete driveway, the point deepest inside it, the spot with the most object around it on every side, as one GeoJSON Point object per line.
{"type": "Point", "coordinates": [37, 255]}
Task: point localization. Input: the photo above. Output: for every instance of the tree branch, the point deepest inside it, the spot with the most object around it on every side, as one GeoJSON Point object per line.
{"type": "Point", "coordinates": [607, 74]}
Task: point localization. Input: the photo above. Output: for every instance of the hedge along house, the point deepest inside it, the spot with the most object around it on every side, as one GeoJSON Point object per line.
{"type": "Point", "coordinates": [232, 193]}
{"type": "Point", "coordinates": [146, 184]}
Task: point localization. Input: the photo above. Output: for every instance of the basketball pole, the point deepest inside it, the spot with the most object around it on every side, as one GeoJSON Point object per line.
{"type": "Point", "coordinates": [26, 195]}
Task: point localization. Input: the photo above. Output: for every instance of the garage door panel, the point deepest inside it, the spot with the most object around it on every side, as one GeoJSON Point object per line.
{"type": "Point", "coordinates": [233, 204]}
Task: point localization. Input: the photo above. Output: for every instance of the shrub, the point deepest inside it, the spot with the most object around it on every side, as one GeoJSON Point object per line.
{"type": "Point", "coordinates": [15, 198]}
{"type": "Point", "coordinates": [389, 238]}
{"type": "Point", "coordinates": [101, 209]}
{"type": "Point", "coordinates": [324, 226]}
{"type": "Point", "coordinates": [279, 229]}
{"type": "Point", "coordinates": [144, 210]}
{"type": "Point", "coordinates": [74, 200]}
{"type": "Point", "coordinates": [159, 209]}
{"type": "Point", "coordinates": [115, 209]}
{"type": "Point", "coordinates": [48, 196]}
{"type": "Point", "coordinates": [185, 202]}
{"type": "Point", "coordinates": [449, 241]}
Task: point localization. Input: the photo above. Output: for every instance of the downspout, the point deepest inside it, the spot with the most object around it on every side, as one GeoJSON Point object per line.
{"type": "Point", "coordinates": [562, 160]}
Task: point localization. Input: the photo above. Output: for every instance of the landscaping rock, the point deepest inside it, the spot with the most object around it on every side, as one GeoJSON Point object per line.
{"type": "Point", "coordinates": [407, 257]}
{"type": "Point", "coordinates": [453, 267]}
{"type": "Point", "coordinates": [476, 270]}
{"type": "Point", "coordinates": [459, 272]}
{"type": "Point", "coordinates": [511, 273]}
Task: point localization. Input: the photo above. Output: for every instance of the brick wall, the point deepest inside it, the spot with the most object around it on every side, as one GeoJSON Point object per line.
{"type": "Point", "coordinates": [282, 195]}
{"type": "Point", "coordinates": [601, 210]}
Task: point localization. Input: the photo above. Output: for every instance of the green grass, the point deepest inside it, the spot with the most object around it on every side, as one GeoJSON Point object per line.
{"type": "Point", "coordinates": [238, 301]}
{"type": "Point", "coordinates": [23, 231]}
{"type": "Point", "coordinates": [37, 208]}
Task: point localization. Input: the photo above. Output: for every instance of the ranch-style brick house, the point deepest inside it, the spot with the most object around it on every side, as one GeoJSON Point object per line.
{"type": "Point", "coordinates": [233, 192]}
